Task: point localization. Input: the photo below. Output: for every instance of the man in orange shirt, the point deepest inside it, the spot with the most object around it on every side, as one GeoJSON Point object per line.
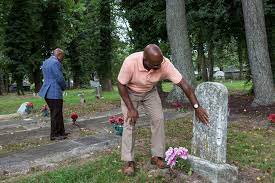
{"type": "Point", "coordinates": [138, 76]}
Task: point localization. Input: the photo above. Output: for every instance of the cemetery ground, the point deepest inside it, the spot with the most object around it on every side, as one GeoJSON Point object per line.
{"type": "Point", "coordinates": [250, 147]}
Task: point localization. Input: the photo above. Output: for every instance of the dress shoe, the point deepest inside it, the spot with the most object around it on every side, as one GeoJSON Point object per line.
{"type": "Point", "coordinates": [66, 134]}
{"type": "Point", "coordinates": [58, 138]}
{"type": "Point", "coordinates": [158, 161]}
{"type": "Point", "coordinates": [129, 168]}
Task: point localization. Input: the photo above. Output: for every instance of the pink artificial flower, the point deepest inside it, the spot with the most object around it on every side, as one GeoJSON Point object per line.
{"type": "Point", "coordinates": [44, 108]}
{"type": "Point", "coordinates": [172, 153]}
{"type": "Point", "coordinates": [170, 157]}
{"type": "Point", "coordinates": [271, 117]}
{"type": "Point", "coordinates": [112, 119]}
{"type": "Point", "coordinates": [120, 120]}
{"type": "Point", "coordinates": [177, 105]}
{"type": "Point", "coordinates": [183, 152]}
{"type": "Point", "coordinates": [30, 104]}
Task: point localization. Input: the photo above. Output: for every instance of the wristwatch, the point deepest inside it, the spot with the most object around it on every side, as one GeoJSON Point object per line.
{"type": "Point", "coordinates": [195, 106]}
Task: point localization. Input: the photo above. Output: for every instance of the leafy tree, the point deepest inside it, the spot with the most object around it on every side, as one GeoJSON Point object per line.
{"type": "Point", "coordinates": [104, 50]}
{"type": "Point", "coordinates": [20, 30]}
{"type": "Point", "coordinates": [147, 22]}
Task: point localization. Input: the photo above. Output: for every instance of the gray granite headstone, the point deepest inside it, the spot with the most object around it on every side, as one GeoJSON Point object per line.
{"type": "Point", "coordinates": [209, 142]}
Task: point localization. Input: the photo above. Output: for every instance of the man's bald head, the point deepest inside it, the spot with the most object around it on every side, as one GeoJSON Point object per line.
{"type": "Point", "coordinates": [59, 54]}
{"type": "Point", "coordinates": [153, 54]}
{"type": "Point", "coordinates": [152, 57]}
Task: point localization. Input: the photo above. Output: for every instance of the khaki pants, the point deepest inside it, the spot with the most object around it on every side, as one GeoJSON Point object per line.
{"type": "Point", "coordinates": [152, 104]}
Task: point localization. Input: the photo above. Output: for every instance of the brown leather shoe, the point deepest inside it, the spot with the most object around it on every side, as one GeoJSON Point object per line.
{"type": "Point", "coordinates": [158, 161]}
{"type": "Point", "coordinates": [129, 168]}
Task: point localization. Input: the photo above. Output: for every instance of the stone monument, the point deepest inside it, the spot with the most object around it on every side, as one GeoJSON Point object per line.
{"type": "Point", "coordinates": [209, 142]}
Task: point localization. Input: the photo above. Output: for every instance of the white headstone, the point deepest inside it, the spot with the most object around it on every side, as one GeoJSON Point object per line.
{"type": "Point", "coordinates": [22, 109]}
{"type": "Point", "coordinates": [209, 142]}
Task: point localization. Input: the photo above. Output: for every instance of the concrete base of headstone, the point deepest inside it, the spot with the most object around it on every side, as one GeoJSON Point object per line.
{"type": "Point", "coordinates": [215, 173]}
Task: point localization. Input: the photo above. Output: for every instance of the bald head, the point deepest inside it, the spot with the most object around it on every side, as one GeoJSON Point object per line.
{"type": "Point", "coordinates": [153, 54]}
{"type": "Point", "coordinates": [152, 57]}
{"type": "Point", "coordinates": [59, 54]}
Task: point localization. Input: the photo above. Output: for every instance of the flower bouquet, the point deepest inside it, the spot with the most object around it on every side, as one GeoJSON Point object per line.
{"type": "Point", "coordinates": [178, 106]}
{"type": "Point", "coordinates": [271, 121]}
{"type": "Point", "coordinates": [45, 111]}
{"type": "Point", "coordinates": [29, 107]}
{"type": "Point", "coordinates": [117, 123]}
{"type": "Point", "coordinates": [172, 154]}
{"type": "Point", "coordinates": [74, 117]}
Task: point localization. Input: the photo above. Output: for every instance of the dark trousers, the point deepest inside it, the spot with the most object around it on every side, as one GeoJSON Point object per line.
{"type": "Point", "coordinates": [56, 112]}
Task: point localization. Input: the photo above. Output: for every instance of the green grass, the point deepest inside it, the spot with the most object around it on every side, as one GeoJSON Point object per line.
{"type": "Point", "coordinates": [232, 85]}
{"type": "Point", "coordinates": [237, 85]}
{"type": "Point", "coordinates": [10, 103]}
{"type": "Point", "coordinates": [251, 148]}
{"type": "Point", "coordinates": [167, 86]}
{"type": "Point", "coordinates": [109, 166]}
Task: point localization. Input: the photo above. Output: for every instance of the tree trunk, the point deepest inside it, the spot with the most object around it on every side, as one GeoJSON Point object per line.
{"type": "Point", "coordinates": [107, 85]}
{"type": "Point", "coordinates": [104, 67]}
{"type": "Point", "coordinates": [179, 43]}
{"type": "Point", "coordinates": [76, 77]}
{"type": "Point", "coordinates": [6, 83]}
{"type": "Point", "coordinates": [1, 83]}
{"type": "Point", "coordinates": [211, 60]}
{"type": "Point", "coordinates": [258, 52]}
{"type": "Point", "coordinates": [201, 59]}
{"type": "Point", "coordinates": [37, 80]}
{"type": "Point", "coordinates": [270, 30]}
{"type": "Point", "coordinates": [19, 85]}
{"type": "Point", "coordinates": [240, 58]}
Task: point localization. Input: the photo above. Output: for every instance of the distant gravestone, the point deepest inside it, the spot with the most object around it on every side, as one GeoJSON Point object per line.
{"type": "Point", "coordinates": [24, 109]}
{"type": "Point", "coordinates": [95, 83]}
{"type": "Point", "coordinates": [82, 99]}
{"type": "Point", "coordinates": [209, 143]}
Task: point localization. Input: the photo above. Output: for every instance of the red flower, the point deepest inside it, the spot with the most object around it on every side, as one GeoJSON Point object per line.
{"type": "Point", "coordinates": [30, 104]}
{"type": "Point", "coordinates": [177, 105]}
{"type": "Point", "coordinates": [44, 108]}
{"type": "Point", "coordinates": [118, 120]}
{"type": "Point", "coordinates": [112, 119]}
{"type": "Point", "coordinates": [271, 117]}
{"type": "Point", "coordinates": [74, 116]}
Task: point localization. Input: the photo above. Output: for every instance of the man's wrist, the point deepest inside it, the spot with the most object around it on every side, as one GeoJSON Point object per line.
{"type": "Point", "coordinates": [196, 106]}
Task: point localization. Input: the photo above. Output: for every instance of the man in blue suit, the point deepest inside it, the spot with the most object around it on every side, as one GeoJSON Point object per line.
{"type": "Point", "coordinates": [52, 91]}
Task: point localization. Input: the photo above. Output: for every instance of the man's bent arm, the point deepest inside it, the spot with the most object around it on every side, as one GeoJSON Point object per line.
{"type": "Point", "coordinates": [200, 112]}
{"type": "Point", "coordinates": [187, 89]}
{"type": "Point", "coordinates": [125, 96]}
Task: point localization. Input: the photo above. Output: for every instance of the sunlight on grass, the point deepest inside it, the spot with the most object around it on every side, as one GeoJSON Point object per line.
{"type": "Point", "coordinates": [10, 103]}
{"type": "Point", "coordinates": [167, 86]}
{"type": "Point", "coordinates": [240, 85]}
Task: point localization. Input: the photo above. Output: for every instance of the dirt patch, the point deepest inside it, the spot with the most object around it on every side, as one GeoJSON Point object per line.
{"type": "Point", "coordinates": [241, 104]}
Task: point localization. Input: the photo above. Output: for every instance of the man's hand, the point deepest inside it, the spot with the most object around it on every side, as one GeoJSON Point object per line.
{"type": "Point", "coordinates": [202, 115]}
{"type": "Point", "coordinates": [133, 116]}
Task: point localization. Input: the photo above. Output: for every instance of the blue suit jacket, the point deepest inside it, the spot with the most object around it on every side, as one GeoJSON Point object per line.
{"type": "Point", "coordinates": [54, 83]}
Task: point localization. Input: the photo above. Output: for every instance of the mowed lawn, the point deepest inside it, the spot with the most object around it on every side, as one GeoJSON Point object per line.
{"type": "Point", "coordinates": [10, 103]}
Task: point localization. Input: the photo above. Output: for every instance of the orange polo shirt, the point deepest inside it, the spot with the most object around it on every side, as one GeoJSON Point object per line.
{"type": "Point", "coordinates": [137, 78]}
